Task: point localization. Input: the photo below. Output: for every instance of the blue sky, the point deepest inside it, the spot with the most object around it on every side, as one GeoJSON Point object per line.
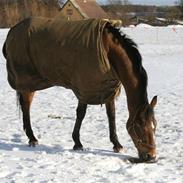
{"type": "Point", "coordinates": [149, 2]}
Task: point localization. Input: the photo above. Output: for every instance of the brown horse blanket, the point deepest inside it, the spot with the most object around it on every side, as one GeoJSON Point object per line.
{"type": "Point", "coordinates": [44, 52]}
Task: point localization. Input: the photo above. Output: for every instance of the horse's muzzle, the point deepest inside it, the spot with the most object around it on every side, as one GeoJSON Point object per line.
{"type": "Point", "coordinates": [145, 157]}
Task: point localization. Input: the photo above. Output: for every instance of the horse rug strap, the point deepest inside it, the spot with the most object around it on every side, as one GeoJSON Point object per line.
{"type": "Point", "coordinates": [43, 52]}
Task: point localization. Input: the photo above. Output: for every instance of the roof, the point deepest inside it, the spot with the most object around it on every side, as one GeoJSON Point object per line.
{"type": "Point", "coordinates": [89, 8]}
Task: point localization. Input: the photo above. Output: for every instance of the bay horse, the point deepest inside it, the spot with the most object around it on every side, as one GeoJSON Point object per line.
{"type": "Point", "coordinates": [38, 57]}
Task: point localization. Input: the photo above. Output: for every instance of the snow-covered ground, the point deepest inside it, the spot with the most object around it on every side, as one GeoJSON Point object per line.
{"type": "Point", "coordinates": [53, 118]}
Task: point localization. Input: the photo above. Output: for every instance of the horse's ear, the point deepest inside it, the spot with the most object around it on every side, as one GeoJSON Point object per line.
{"type": "Point", "coordinates": [154, 101]}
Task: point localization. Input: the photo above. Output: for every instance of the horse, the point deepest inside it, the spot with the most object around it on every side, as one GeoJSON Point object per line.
{"type": "Point", "coordinates": [39, 51]}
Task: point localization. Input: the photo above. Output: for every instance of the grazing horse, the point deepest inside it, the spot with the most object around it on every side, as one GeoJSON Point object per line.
{"type": "Point", "coordinates": [92, 58]}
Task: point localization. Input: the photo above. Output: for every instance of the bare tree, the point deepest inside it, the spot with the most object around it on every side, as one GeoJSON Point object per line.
{"type": "Point", "coordinates": [180, 5]}
{"type": "Point", "coordinates": [173, 14]}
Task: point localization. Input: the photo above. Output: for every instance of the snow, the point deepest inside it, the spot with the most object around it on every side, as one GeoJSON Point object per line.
{"type": "Point", "coordinates": [53, 118]}
{"type": "Point", "coordinates": [144, 25]}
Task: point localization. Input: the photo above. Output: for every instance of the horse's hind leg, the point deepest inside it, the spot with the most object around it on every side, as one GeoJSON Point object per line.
{"type": "Point", "coordinates": [80, 112]}
{"type": "Point", "coordinates": [25, 99]}
{"type": "Point", "coordinates": [110, 109]}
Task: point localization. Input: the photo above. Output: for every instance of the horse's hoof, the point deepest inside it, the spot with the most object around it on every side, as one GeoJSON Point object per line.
{"type": "Point", "coordinates": [117, 149]}
{"type": "Point", "coordinates": [78, 148]}
{"type": "Point", "coordinates": [33, 143]}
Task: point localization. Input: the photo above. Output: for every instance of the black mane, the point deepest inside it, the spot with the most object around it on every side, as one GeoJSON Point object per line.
{"type": "Point", "coordinates": [132, 51]}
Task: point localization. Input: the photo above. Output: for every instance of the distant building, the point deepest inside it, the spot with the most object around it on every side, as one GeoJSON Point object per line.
{"type": "Point", "coordinates": [82, 9]}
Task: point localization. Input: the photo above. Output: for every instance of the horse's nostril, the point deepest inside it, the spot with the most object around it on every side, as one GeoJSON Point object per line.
{"type": "Point", "coordinates": [149, 157]}
{"type": "Point", "coordinates": [146, 157]}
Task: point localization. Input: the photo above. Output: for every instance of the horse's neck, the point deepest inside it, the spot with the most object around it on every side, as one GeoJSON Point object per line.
{"type": "Point", "coordinates": [131, 79]}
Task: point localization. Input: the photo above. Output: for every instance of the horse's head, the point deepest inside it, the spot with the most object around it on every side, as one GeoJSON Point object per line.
{"type": "Point", "coordinates": [142, 129]}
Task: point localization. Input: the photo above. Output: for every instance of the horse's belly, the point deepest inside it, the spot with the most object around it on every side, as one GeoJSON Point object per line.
{"type": "Point", "coordinates": [107, 91]}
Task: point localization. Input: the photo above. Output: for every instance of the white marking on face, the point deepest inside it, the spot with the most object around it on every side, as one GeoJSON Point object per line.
{"type": "Point", "coordinates": [152, 125]}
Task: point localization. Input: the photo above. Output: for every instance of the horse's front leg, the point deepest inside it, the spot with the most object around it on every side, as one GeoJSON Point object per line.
{"type": "Point", "coordinates": [110, 109]}
{"type": "Point", "coordinates": [80, 113]}
{"type": "Point", "coordinates": [25, 99]}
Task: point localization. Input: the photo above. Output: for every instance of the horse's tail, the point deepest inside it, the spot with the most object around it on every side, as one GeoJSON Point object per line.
{"type": "Point", "coordinates": [4, 50]}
